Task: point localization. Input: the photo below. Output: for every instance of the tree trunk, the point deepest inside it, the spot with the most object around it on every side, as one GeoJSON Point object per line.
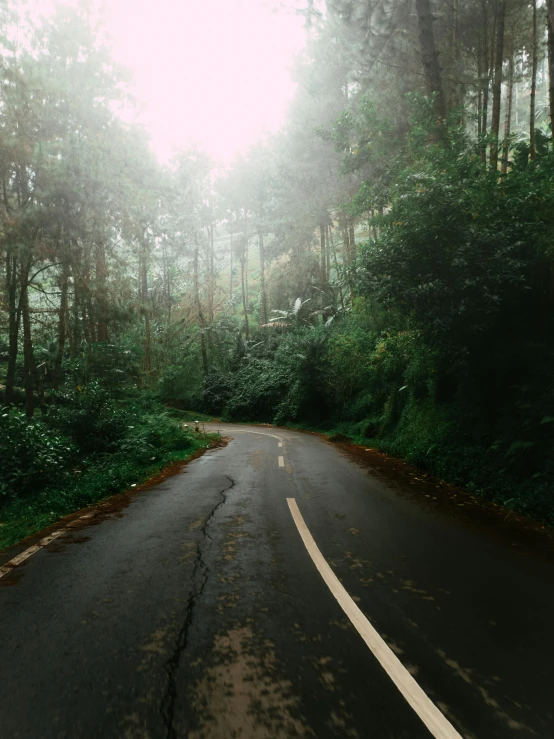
{"type": "Point", "coordinates": [497, 84]}
{"type": "Point", "coordinates": [323, 262]}
{"type": "Point", "coordinates": [352, 241]}
{"type": "Point", "coordinates": [243, 289]}
{"type": "Point", "coordinates": [13, 325]}
{"type": "Point", "coordinates": [479, 90]}
{"type": "Point", "coordinates": [246, 256]}
{"type": "Point", "coordinates": [484, 77]}
{"type": "Point", "coordinates": [336, 263]}
{"type": "Point", "coordinates": [211, 274]}
{"type": "Point", "coordinates": [455, 99]}
{"type": "Point", "coordinates": [199, 313]}
{"type": "Point", "coordinates": [328, 253]}
{"type": "Point", "coordinates": [263, 291]}
{"type": "Point", "coordinates": [231, 270]}
{"type": "Point", "coordinates": [74, 324]}
{"type": "Point", "coordinates": [429, 55]}
{"type": "Point", "coordinates": [345, 242]}
{"type": "Point", "coordinates": [550, 9]}
{"type": "Point", "coordinates": [61, 327]}
{"type": "Point", "coordinates": [147, 344]}
{"type": "Point", "coordinates": [101, 296]}
{"type": "Point", "coordinates": [29, 370]}
{"type": "Point", "coordinates": [89, 328]}
{"type": "Point", "coordinates": [167, 281]}
{"type": "Point", "coordinates": [532, 104]}
{"type": "Point", "coordinates": [145, 307]}
{"type": "Point", "coordinates": [508, 119]}
{"type": "Point", "coordinates": [244, 275]}
{"type": "Point", "coordinates": [86, 326]}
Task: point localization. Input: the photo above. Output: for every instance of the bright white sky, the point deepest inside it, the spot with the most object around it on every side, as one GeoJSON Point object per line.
{"type": "Point", "coordinates": [216, 72]}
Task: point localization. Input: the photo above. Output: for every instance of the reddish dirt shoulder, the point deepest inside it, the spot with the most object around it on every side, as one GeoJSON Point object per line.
{"type": "Point", "coordinates": [521, 533]}
{"type": "Point", "coordinates": [106, 508]}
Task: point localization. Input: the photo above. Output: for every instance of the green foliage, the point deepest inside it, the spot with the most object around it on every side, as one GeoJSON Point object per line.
{"type": "Point", "coordinates": [458, 249]}
{"type": "Point", "coordinates": [446, 358]}
{"type": "Point", "coordinates": [217, 390]}
{"type": "Point", "coordinates": [156, 432]}
{"type": "Point", "coordinates": [434, 340]}
{"type": "Point", "coordinates": [91, 417]}
{"type": "Point", "coordinates": [89, 482]}
{"type": "Point", "coordinates": [301, 356]}
{"type": "Point", "coordinates": [32, 455]}
{"type": "Point", "coordinates": [259, 386]}
{"type": "Point", "coordinates": [116, 366]}
{"type": "Point", "coordinates": [107, 447]}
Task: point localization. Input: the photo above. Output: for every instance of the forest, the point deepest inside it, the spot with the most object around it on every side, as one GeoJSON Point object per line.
{"type": "Point", "coordinates": [381, 268]}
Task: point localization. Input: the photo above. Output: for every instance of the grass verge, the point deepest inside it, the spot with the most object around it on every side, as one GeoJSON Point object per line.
{"type": "Point", "coordinates": [114, 473]}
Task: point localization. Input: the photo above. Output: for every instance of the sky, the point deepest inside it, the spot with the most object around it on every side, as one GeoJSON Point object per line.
{"type": "Point", "coordinates": [214, 72]}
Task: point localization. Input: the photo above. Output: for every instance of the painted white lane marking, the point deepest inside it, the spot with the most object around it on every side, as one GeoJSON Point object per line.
{"type": "Point", "coordinates": [29, 552]}
{"type": "Point", "coordinates": [24, 555]}
{"type": "Point", "coordinates": [281, 461]}
{"type": "Point", "coordinates": [434, 720]}
{"type": "Point", "coordinates": [280, 444]}
{"type": "Point", "coordinates": [259, 433]}
{"type": "Point", "coordinates": [8, 567]}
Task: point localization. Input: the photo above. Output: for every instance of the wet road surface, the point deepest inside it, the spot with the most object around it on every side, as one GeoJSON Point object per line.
{"type": "Point", "coordinates": [199, 612]}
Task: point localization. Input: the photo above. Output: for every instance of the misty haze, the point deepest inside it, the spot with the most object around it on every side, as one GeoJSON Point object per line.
{"type": "Point", "coordinates": [276, 369]}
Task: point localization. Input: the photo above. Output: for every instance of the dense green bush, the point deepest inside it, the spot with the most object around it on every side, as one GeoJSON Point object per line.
{"type": "Point", "coordinates": [115, 366]}
{"type": "Point", "coordinates": [153, 432]}
{"type": "Point", "coordinates": [217, 389]}
{"type": "Point", "coordinates": [92, 418]}
{"type": "Point", "coordinates": [260, 385]}
{"type": "Point", "coordinates": [32, 455]}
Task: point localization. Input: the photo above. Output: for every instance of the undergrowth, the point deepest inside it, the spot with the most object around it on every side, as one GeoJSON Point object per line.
{"type": "Point", "coordinates": [79, 454]}
{"type": "Point", "coordinates": [21, 518]}
{"type": "Point", "coordinates": [470, 467]}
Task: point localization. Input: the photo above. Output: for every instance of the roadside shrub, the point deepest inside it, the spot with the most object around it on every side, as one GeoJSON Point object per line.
{"type": "Point", "coordinates": [115, 366]}
{"type": "Point", "coordinates": [260, 386]}
{"type": "Point", "coordinates": [91, 418]}
{"type": "Point", "coordinates": [32, 455]}
{"type": "Point", "coordinates": [179, 384]}
{"type": "Point", "coordinates": [217, 390]}
{"type": "Point", "coordinates": [156, 432]}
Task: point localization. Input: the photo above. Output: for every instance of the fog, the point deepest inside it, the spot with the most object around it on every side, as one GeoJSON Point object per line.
{"type": "Point", "coordinates": [216, 72]}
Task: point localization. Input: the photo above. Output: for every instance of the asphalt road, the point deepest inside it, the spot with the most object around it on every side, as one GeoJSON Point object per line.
{"type": "Point", "coordinates": [197, 611]}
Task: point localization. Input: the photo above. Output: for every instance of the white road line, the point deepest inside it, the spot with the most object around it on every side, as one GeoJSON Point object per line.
{"type": "Point", "coordinates": [281, 462]}
{"type": "Point", "coordinates": [8, 567]}
{"type": "Point", "coordinates": [29, 552]}
{"type": "Point", "coordinates": [434, 720]}
{"type": "Point", "coordinates": [259, 433]}
{"type": "Point", "coordinates": [280, 444]}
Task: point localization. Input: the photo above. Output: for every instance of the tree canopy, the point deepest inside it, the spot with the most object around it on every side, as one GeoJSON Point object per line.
{"type": "Point", "coordinates": [383, 265]}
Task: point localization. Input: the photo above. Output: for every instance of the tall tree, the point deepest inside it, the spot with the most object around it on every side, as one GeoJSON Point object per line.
{"type": "Point", "coordinates": [497, 83]}
{"type": "Point", "coordinates": [508, 118]}
{"type": "Point", "coordinates": [534, 66]}
{"type": "Point", "coordinates": [429, 55]}
{"type": "Point", "coordinates": [550, 45]}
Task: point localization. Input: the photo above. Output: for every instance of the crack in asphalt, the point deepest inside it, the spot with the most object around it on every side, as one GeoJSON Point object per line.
{"type": "Point", "coordinates": [200, 574]}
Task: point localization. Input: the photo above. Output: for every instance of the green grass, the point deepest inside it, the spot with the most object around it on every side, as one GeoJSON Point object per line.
{"type": "Point", "coordinates": [116, 473]}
